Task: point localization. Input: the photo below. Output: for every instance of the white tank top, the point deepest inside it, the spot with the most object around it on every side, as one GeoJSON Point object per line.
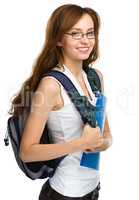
{"type": "Point", "coordinates": [71, 179]}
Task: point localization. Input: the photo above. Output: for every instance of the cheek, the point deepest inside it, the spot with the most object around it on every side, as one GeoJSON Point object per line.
{"type": "Point", "coordinates": [69, 46]}
{"type": "Point", "coordinates": [92, 44]}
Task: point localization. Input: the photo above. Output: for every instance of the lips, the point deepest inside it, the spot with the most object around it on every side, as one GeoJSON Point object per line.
{"type": "Point", "coordinates": [83, 49]}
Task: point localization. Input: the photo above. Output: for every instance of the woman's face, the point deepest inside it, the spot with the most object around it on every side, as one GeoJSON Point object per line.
{"type": "Point", "coordinates": [75, 48]}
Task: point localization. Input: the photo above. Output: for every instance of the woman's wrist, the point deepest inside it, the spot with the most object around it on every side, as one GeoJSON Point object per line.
{"type": "Point", "coordinates": [82, 144]}
{"type": "Point", "coordinates": [107, 141]}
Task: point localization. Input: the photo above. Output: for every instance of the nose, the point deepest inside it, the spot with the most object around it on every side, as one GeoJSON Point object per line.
{"type": "Point", "coordinates": [84, 39]}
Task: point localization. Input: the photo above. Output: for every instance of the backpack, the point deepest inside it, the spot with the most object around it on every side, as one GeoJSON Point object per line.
{"type": "Point", "coordinates": [15, 125]}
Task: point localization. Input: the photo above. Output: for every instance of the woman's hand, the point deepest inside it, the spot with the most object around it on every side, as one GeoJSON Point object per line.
{"type": "Point", "coordinates": [92, 138]}
{"type": "Point", "coordinates": [107, 138]}
{"type": "Point", "coordinates": [105, 144]}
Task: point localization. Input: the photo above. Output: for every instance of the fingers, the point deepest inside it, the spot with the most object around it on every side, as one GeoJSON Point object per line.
{"type": "Point", "coordinates": [90, 150]}
{"type": "Point", "coordinates": [89, 128]}
{"type": "Point", "coordinates": [98, 129]}
{"type": "Point", "coordinates": [96, 146]}
{"type": "Point", "coordinates": [98, 143]}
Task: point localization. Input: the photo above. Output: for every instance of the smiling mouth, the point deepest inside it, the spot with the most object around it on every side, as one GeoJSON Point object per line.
{"type": "Point", "coordinates": [83, 49]}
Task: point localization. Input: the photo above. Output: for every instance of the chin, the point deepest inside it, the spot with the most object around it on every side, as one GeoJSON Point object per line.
{"type": "Point", "coordinates": [83, 57]}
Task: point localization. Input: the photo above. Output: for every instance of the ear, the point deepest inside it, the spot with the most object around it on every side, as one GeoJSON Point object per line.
{"type": "Point", "coordinates": [59, 44]}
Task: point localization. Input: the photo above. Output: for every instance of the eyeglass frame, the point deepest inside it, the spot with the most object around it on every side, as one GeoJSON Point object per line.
{"type": "Point", "coordinates": [82, 35]}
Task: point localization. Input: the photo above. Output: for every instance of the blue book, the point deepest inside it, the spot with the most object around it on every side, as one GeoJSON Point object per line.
{"type": "Point", "coordinates": [91, 160]}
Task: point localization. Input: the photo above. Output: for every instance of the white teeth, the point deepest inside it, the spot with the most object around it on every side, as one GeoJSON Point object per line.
{"type": "Point", "coordinates": [83, 49]}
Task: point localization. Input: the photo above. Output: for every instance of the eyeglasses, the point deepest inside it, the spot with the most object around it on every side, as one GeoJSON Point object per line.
{"type": "Point", "coordinates": [80, 35]}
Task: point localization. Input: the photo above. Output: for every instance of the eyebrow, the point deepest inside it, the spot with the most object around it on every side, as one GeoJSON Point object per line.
{"type": "Point", "coordinates": [79, 29]}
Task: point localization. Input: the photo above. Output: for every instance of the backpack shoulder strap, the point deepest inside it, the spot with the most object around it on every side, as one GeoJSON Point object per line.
{"type": "Point", "coordinates": [65, 81]}
{"type": "Point", "coordinates": [15, 128]}
{"type": "Point", "coordinates": [93, 79]}
{"type": "Point", "coordinates": [92, 76]}
{"type": "Point", "coordinates": [81, 102]}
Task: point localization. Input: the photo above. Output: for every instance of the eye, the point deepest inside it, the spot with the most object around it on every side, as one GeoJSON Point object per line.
{"type": "Point", "coordinates": [75, 34]}
{"type": "Point", "coordinates": [91, 33]}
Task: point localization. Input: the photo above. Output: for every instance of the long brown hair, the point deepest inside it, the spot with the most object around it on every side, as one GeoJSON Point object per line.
{"type": "Point", "coordinates": [61, 20]}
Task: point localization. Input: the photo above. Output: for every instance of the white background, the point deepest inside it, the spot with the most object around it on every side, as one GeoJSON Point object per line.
{"type": "Point", "coordinates": [22, 31]}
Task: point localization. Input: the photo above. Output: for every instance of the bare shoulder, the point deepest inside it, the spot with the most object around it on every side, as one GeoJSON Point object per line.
{"type": "Point", "coordinates": [49, 84]}
{"type": "Point", "coordinates": [46, 96]}
{"type": "Point", "coordinates": [50, 88]}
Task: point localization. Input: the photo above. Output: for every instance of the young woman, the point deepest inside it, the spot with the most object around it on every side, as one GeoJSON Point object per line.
{"type": "Point", "coordinates": [71, 45]}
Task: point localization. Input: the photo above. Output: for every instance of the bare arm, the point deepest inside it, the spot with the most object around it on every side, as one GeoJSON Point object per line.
{"type": "Point", "coordinates": [43, 101]}
{"type": "Point", "coordinates": [107, 136]}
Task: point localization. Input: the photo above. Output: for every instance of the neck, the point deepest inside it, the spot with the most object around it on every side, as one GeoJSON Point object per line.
{"type": "Point", "coordinates": [74, 66]}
